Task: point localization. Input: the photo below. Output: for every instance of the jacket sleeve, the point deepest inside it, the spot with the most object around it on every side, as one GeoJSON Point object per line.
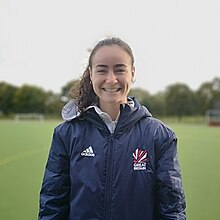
{"type": "Point", "coordinates": [170, 198]}
{"type": "Point", "coordinates": [54, 195]}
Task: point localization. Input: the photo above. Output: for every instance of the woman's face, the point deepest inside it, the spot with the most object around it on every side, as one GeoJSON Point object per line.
{"type": "Point", "coordinates": [111, 74]}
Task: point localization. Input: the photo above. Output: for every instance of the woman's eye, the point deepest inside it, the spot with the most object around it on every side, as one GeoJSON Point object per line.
{"type": "Point", "coordinates": [101, 71]}
{"type": "Point", "coordinates": [120, 71]}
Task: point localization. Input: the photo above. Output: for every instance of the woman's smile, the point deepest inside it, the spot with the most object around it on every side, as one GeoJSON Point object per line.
{"type": "Point", "coordinates": [112, 90]}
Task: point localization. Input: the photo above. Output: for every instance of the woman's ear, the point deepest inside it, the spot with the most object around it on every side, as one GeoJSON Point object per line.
{"type": "Point", "coordinates": [133, 74]}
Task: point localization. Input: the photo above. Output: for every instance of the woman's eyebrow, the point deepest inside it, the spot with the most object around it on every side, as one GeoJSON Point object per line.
{"type": "Point", "coordinates": [120, 65]}
{"type": "Point", "coordinates": [106, 66]}
{"type": "Point", "coordinates": [101, 65]}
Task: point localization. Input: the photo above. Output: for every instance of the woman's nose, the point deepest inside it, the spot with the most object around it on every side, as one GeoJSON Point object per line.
{"type": "Point", "coordinates": [111, 78]}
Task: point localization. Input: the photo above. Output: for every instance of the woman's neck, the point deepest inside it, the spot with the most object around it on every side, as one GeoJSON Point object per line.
{"type": "Point", "coordinates": [111, 109]}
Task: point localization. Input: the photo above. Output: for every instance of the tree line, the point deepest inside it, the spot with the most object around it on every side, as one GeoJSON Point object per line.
{"type": "Point", "coordinates": [177, 99]}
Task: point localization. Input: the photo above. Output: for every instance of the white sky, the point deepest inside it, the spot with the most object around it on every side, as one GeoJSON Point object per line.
{"type": "Point", "coordinates": [44, 42]}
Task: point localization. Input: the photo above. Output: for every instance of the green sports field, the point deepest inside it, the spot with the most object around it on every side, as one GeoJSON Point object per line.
{"type": "Point", "coordinates": [23, 152]}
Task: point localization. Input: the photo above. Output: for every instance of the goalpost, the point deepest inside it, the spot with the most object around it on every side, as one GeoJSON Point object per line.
{"type": "Point", "coordinates": [213, 117]}
{"type": "Point", "coordinates": [29, 116]}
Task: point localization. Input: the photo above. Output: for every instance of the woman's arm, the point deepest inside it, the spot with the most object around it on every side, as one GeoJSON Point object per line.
{"type": "Point", "coordinates": [170, 198]}
{"type": "Point", "coordinates": [54, 195]}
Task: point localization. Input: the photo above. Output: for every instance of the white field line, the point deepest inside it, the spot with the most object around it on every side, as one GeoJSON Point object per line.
{"type": "Point", "coordinates": [21, 155]}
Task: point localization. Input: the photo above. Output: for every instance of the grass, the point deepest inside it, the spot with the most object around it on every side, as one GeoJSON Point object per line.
{"type": "Point", "coordinates": [199, 149]}
{"type": "Point", "coordinates": [23, 152]}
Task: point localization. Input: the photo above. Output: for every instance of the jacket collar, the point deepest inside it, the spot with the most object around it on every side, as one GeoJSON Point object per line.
{"type": "Point", "coordinates": [127, 111]}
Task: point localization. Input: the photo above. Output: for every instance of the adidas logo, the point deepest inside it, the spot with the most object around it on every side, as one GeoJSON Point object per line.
{"type": "Point", "coordinates": [88, 152]}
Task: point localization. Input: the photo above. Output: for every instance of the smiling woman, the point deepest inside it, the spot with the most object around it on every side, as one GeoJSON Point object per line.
{"type": "Point", "coordinates": [111, 159]}
{"type": "Point", "coordinates": [111, 75]}
{"type": "Point", "coordinates": [111, 63]}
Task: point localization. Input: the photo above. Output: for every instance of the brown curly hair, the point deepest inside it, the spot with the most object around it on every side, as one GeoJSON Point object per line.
{"type": "Point", "coordinates": [84, 93]}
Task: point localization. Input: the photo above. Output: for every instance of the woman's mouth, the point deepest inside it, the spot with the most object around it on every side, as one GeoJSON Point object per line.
{"type": "Point", "coordinates": [111, 89]}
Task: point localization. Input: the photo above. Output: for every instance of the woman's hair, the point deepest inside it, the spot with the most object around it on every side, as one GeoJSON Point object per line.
{"type": "Point", "coordinates": [84, 93]}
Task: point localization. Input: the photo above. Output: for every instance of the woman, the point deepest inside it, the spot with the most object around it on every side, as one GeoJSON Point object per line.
{"type": "Point", "coordinates": [111, 159]}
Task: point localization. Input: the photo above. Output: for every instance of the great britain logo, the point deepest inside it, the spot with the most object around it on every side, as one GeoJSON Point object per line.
{"type": "Point", "coordinates": [140, 159]}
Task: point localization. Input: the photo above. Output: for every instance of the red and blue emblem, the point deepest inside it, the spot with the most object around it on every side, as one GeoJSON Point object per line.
{"type": "Point", "coordinates": [140, 159]}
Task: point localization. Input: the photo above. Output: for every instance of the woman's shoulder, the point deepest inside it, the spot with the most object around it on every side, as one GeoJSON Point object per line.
{"type": "Point", "coordinates": [159, 127]}
{"type": "Point", "coordinates": [65, 127]}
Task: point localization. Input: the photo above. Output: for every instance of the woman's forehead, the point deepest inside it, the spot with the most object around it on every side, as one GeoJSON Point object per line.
{"type": "Point", "coordinates": [113, 53]}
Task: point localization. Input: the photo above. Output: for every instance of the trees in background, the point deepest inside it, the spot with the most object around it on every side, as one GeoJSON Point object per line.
{"type": "Point", "coordinates": [154, 103]}
{"type": "Point", "coordinates": [180, 100]}
{"type": "Point", "coordinates": [7, 92]}
{"type": "Point", "coordinates": [27, 99]}
{"type": "Point", "coordinates": [177, 100]}
{"type": "Point", "coordinates": [68, 88]}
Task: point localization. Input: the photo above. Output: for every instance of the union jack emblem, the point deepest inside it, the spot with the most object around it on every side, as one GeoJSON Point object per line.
{"type": "Point", "coordinates": [140, 156]}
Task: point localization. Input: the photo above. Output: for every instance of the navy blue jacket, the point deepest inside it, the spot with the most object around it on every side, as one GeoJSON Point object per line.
{"type": "Point", "coordinates": [132, 174]}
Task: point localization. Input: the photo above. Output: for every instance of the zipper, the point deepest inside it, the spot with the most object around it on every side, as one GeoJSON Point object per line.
{"type": "Point", "coordinates": [108, 193]}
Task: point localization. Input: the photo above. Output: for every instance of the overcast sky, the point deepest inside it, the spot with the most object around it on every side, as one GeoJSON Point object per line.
{"type": "Point", "coordinates": [45, 42]}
